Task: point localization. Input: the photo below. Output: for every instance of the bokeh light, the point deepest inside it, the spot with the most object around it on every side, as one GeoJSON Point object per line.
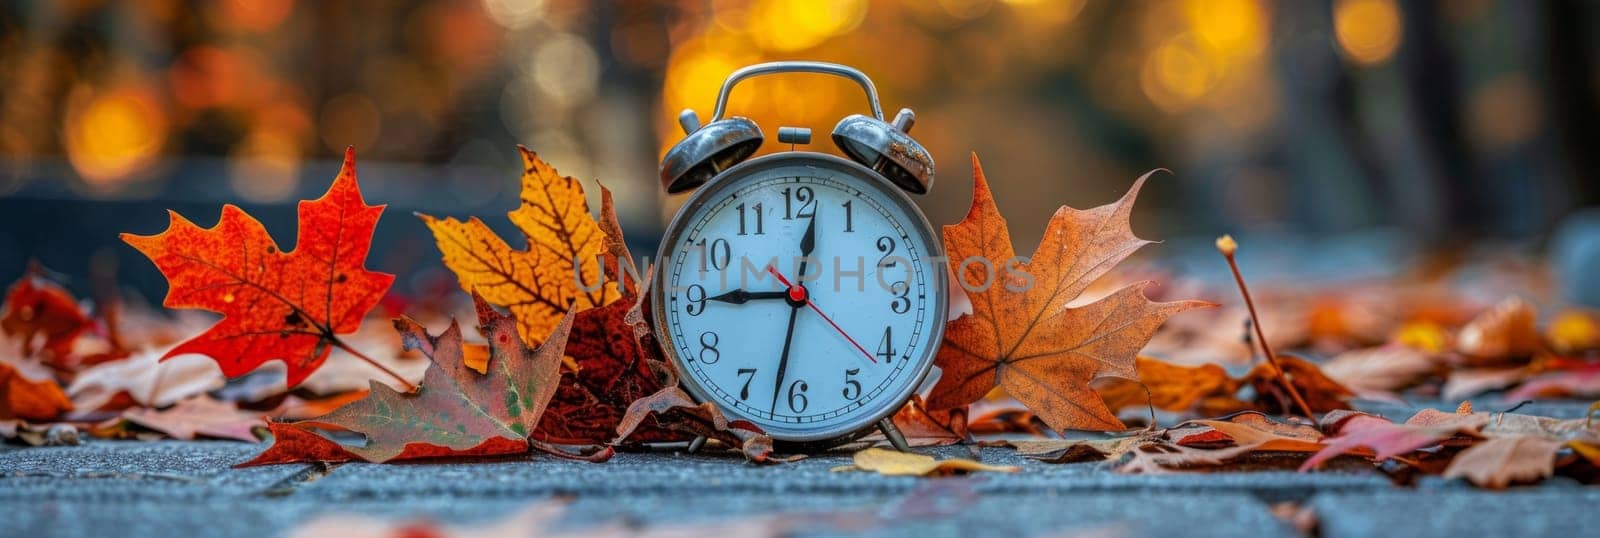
{"type": "Point", "coordinates": [114, 134]}
{"type": "Point", "coordinates": [1368, 31]}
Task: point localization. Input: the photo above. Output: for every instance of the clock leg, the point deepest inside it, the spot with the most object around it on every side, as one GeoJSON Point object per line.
{"type": "Point", "coordinates": [893, 434]}
{"type": "Point", "coordinates": [699, 441]}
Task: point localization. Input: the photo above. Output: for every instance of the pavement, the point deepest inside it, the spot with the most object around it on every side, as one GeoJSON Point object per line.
{"type": "Point", "coordinates": [173, 488]}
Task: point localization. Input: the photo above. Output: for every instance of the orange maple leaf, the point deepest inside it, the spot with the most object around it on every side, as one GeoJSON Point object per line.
{"type": "Point", "coordinates": [276, 305]}
{"type": "Point", "coordinates": [1021, 334]}
{"type": "Point", "coordinates": [539, 285]}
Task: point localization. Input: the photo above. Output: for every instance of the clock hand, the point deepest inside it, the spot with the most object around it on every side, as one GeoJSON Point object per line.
{"type": "Point", "coordinates": [808, 242]}
{"type": "Point", "coordinates": [783, 359]}
{"type": "Point", "coordinates": [741, 296]}
{"type": "Point", "coordinates": [799, 294]}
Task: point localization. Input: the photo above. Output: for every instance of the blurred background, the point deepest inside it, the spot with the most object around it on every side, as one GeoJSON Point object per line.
{"type": "Point", "coordinates": [1339, 138]}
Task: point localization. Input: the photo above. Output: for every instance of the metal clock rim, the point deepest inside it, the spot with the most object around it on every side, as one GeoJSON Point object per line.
{"type": "Point", "coordinates": [939, 277]}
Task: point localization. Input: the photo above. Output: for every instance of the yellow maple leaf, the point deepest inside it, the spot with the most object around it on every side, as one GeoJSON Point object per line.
{"type": "Point", "coordinates": [539, 285]}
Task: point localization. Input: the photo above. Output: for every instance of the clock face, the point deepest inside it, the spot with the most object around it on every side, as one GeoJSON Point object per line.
{"type": "Point", "coordinates": [803, 293]}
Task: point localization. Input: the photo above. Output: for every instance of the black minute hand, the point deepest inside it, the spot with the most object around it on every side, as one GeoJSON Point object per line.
{"type": "Point", "coordinates": [808, 241]}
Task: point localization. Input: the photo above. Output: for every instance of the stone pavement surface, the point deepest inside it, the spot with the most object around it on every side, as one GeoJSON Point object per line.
{"type": "Point", "coordinates": [170, 488]}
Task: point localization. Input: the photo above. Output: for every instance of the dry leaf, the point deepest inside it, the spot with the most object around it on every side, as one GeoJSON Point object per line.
{"type": "Point", "coordinates": [1321, 392]}
{"type": "Point", "coordinates": [144, 379]}
{"type": "Point", "coordinates": [1584, 383]}
{"type": "Point", "coordinates": [456, 411]}
{"type": "Point", "coordinates": [1499, 461]}
{"type": "Point", "coordinates": [1352, 431]}
{"type": "Point", "coordinates": [197, 416]}
{"type": "Point", "coordinates": [29, 392]}
{"type": "Point", "coordinates": [1167, 386]}
{"type": "Point", "coordinates": [673, 409]}
{"type": "Point", "coordinates": [1463, 383]}
{"type": "Point", "coordinates": [1380, 369]}
{"type": "Point", "coordinates": [539, 285]}
{"type": "Point", "coordinates": [1022, 334]}
{"type": "Point", "coordinates": [37, 308]}
{"type": "Point", "coordinates": [1503, 332]}
{"type": "Point", "coordinates": [895, 463]}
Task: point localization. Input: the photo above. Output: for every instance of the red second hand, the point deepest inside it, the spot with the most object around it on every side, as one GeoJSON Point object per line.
{"type": "Point", "coordinates": [799, 294]}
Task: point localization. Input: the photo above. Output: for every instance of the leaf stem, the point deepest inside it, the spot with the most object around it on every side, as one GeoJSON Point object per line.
{"type": "Point", "coordinates": [338, 343]}
{"type": "Point", "coordinates": [1227, 247]}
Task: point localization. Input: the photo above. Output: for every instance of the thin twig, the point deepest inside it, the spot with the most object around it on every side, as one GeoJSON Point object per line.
{"type": "Point", "coordinates": [375, 364]}
{"type": "Point", "coordinates": [1227, 246]}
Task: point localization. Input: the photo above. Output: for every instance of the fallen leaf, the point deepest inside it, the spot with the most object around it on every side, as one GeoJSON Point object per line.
{"type": "Point", "coordinates": [922, 427]}
{"type": "Point", "coordinates": [1022, 334]}
{"type": "Point", "coordinates": [37, 308]}
{"type": "Point", "coordinates": [1498, 461]}
{"type": "Point", "coordinates": [199, 416]}
{"type": "Point", "coordinates": [1503, 332]}
{"type": "Point", "coordinates": [895, 463]}
{"type": "Point", "coordinates": [1195, 445]}
{"type": "Point", "coordinates": [1463, 383]}
{"type": "Point", "coordinates": [456, 411]}
{"type": "Point", "coordinates": [1321, 392]}
{"type": "Point", "coordinates": [144, 379]}
{"type": "Point", "coordinates": [1520, 448]}
{"type": "Point", "coordinates": [276, 305]}
{"type": "Point", "coordinates": [1168, 386]}
{"type": "Point", "coordinates": [674, 410]}
{"type": "Point", "coordinates": [1583, 383]}
{"type": "Point", "coordinates": [29, 392]}
{"type": "Point", "coordinates": [1383, 369]}
{"type": "Point", "coordinates": [1350, 431]}
{"type": "Point", "coordinates": [1250, 429]}
{"type": "Point", "coordinates": [539, 285]}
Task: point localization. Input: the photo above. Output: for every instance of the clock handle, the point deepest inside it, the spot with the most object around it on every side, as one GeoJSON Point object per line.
{"type": "Point", "coordinates": [797, 67]}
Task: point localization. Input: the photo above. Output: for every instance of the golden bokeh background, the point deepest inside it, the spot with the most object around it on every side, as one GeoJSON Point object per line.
{"type": "Point", "coordinates": [1441, 119]}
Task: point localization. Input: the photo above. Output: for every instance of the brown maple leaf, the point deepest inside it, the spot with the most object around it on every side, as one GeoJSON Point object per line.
{"type": "Point", "coordinates": [672, 409]}
{"type": "Point", "coordinates": [457, 411]}
{"type": "Point", "coordinates": [1023, 336]}
{"type": "Point", "coordinates": [540, 284]}
{"type": "Point", "coordinates": [276, 305]}
{"type": "Point", "coordinates": [1521, 448]}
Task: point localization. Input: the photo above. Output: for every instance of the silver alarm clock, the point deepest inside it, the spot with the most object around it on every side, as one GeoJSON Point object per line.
{"type": "Point", "coordinates": [800, 291]}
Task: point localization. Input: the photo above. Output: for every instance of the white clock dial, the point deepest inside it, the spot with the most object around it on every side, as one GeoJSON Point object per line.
{"type": "Point", "coordinates": [850, 335]}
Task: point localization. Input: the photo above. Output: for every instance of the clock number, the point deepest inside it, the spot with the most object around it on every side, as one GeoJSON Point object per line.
{"type": "Point", "coordinates": [806, 198]}
{"type": "Point", "coordinates": [901, 303]}
{"type": "Point", "coordinates": [886, 246]}
{"type": "Point", "coordinates": [851, 383]}
{"type": "Point", "coordinates": [849, 218]}
{"type": "Point", "coordinates": [758, 227]}
{"type": "Point", "coordinates": [797, 399]}
{"type": "Point", "coordinates": [708, 348]}
{"type": "Point", "coordinates": [886, 348]}
{"type": "Point", "coordinates": [718, 255]}
{"type": "Point", "coordinates": [749, 373]}
{"type": "Point", "coordinates": [697, 299]}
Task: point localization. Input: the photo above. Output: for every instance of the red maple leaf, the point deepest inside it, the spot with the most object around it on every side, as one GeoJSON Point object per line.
{"type": "Point", "coordinates": [276, 305]}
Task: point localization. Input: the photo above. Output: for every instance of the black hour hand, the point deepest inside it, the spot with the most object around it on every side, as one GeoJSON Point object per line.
{"type": "Point", "coordinates": [741, 296]}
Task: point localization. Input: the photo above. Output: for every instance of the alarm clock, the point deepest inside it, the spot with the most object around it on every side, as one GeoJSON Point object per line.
{"type": "Point", "coordinates": [800, 291]}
